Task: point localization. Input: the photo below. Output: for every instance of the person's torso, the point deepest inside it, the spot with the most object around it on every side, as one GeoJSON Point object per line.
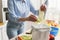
{"type": "Point", "coordinates": [21, 8]}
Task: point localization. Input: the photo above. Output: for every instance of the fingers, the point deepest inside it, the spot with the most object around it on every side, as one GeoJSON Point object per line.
{"type": "Point", "coordinates": [43, 8]}
{"type": "Point", "coordinates": [32, 18]}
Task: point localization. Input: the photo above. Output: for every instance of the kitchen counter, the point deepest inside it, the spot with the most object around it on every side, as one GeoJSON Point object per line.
{"type": "Point", "coordinates": [3, 24]}
{"type": "Point", "coordinates": [56, 38]}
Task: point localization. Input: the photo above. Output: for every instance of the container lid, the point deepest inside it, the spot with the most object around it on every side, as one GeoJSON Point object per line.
{"type": "Point", "coordinates": [40, 27]}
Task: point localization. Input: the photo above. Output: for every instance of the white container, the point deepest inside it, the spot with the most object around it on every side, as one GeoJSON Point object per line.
{"type": "Point", "coordinates": [40, 32]}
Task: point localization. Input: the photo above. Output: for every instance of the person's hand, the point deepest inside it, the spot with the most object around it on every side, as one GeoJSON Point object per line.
{"type": "Point", "coordinates": [43, 8]}
{"type": "Point", "coordinates": [32, 18]}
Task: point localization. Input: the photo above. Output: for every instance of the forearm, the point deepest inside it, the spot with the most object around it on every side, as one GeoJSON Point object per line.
{"type": "Point", "coordinates": [35, 12]}
{"type": "Point", "coordinates": [23, 19]}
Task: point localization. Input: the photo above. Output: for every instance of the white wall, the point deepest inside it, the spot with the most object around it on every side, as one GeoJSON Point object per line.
{"type": "Point", "coordinates": [53, 11]}
{"type": "Point", "coordinates": [37, 3]}
{"type": "Point", "coordinates": [51, 4]}
{"type": "Point", "coordinates": [54, 4]}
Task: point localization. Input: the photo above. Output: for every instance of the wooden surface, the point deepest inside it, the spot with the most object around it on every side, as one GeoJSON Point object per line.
{"type": "Point", "coordinates": [1, 23]}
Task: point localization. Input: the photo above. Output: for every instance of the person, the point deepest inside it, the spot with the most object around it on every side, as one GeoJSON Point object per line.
{"type": "Point", "coordinates": [18, 14]}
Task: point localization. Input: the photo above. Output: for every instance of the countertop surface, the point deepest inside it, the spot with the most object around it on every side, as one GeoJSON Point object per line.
{"type": "Point", "coordinates": [1, 23]}
{"type": "Point", "coordinates": [56, 38]}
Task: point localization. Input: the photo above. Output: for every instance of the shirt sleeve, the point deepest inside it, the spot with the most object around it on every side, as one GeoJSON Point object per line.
{"type": "Point", "coordinates": [33, 10]}
{"type": "Point", "coordinates": [12, 14]}
{"type": "Point", "coordinates": [46, 2]}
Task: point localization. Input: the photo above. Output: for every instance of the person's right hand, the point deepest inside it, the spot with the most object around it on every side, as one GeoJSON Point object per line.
{"type": "Point", "coordinates": [32, 18]}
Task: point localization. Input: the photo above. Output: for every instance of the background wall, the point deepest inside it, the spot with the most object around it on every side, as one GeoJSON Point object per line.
{"type": "Point", "coordinates": [37, 3]}
{"type": "Point", "coordinates": [0, 10]}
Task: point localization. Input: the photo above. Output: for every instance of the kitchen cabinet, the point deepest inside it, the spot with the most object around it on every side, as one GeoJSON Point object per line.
{"type": "Point", "coordinates": [3, 34]}
{"type": "Point", "coordinates": [0, 34]}
{"type": "Point", "coordinates": [3, 4]}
